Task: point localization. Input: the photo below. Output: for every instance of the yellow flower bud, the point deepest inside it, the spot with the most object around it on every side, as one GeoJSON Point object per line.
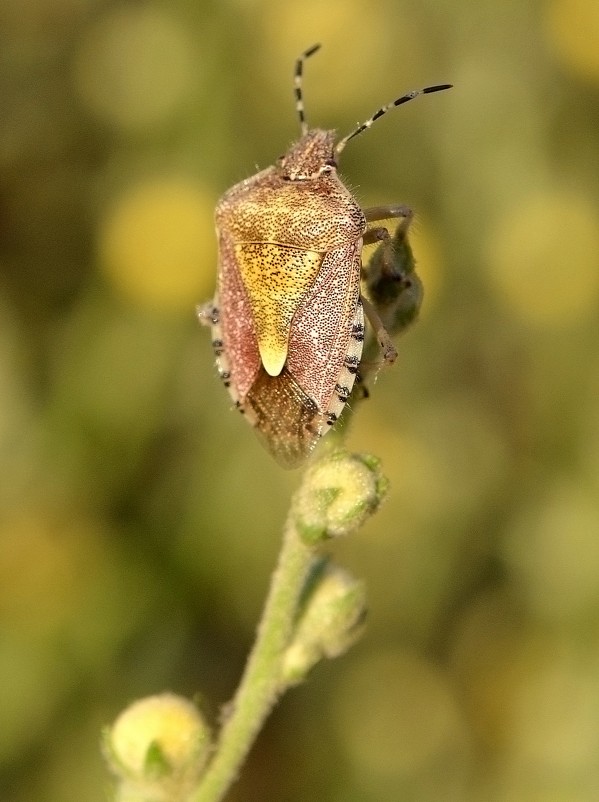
{"type": "Point", "coordinates": [157, 747]}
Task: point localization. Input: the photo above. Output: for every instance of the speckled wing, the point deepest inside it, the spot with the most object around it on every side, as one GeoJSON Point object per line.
{"type": "Point", "coordinates": [292, 409]}
{"type": "Point", "coordinates": [287, 420]}
{"type": "Point", "coordinates": [236, 323]}
{"type": "Point", "coordinates": [322, 326]}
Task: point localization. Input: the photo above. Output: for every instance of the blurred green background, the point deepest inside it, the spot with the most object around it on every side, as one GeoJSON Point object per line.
{"type": "Point", "coordinates": [140, 517]}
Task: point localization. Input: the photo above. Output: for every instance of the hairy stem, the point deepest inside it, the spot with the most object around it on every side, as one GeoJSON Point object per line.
{"type": "Point", "coordinates": [260, 685]}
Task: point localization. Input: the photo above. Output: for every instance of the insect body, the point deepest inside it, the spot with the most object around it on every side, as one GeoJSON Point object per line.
{"type": "Point", "coordinates": [288, 316]}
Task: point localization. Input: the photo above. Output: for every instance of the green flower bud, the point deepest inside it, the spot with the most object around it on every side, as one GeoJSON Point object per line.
{"type": "Point", "coordinates": [338, 494]}
{"type": "Point", "coordinates": [157, 747]}
{"type": "Point", "coordinates": [331, 621]}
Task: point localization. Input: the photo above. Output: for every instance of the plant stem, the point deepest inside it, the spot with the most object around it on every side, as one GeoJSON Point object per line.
{"type": "Point", "coordinates": [260, 685]}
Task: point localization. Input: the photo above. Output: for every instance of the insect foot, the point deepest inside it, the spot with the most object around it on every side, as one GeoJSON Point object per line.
{"type": "Point", "coordinates": [288, 315]}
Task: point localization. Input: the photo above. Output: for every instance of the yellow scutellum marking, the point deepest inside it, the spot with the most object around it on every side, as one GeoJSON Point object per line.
{"type": "Point", "coordinates": [287, 273]}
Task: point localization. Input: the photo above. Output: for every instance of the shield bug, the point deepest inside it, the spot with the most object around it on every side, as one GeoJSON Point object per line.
{"type": "Point", "coordinates": [288, 315]}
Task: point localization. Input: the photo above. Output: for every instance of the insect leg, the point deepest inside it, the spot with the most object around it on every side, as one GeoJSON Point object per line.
{"type": "Point", "coordinates": [384, 340]}
{"type": "Point", "coordinates": [389, 279]}
{"type": "Point", "coordinates": [376, 214]}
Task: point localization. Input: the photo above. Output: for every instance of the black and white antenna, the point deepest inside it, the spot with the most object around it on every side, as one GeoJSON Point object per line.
{"type": "Point", "coordinates": [297, 83]}
{"type": "Point", "coordinates": [384, 109]}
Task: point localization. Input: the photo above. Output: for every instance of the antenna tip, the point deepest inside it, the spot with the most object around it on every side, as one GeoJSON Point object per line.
{"type": "Point", "coordinates": [311, 50]}
{"type": "Point", "coordinates": [439, 88]}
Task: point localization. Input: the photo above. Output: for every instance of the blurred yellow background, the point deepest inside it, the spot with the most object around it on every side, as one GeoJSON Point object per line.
{"type": "Point", "coordinates": [140, 517]}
